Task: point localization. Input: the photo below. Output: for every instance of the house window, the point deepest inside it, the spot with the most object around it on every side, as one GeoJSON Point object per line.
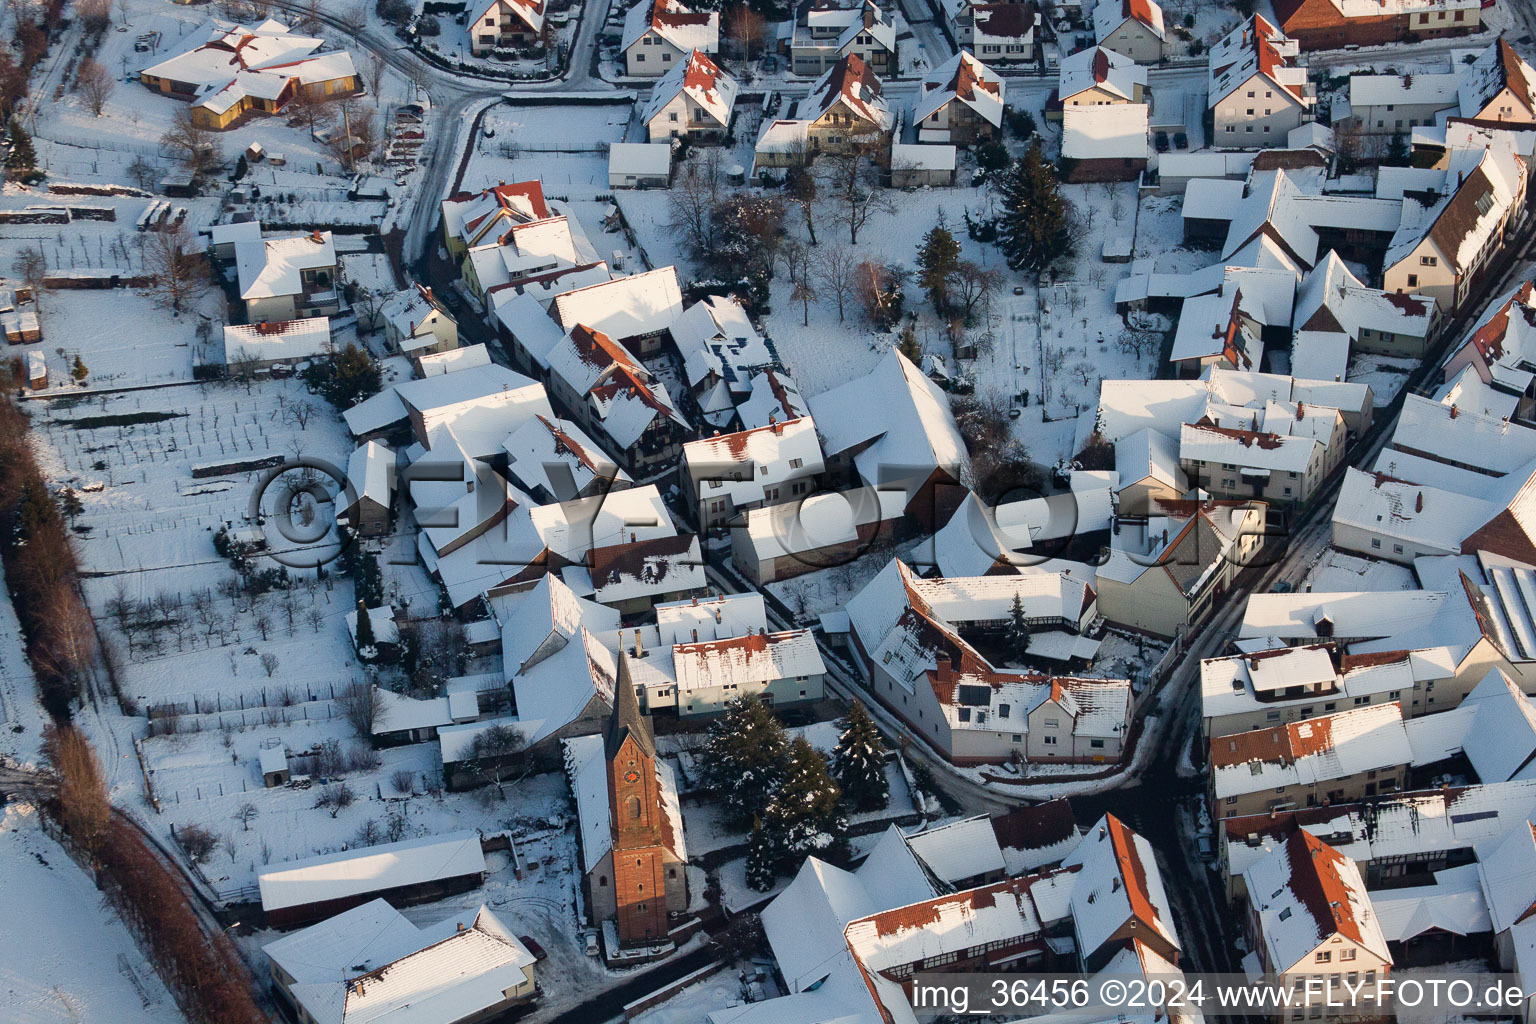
{"type": "Point", "coordinates": [1050, 741]}
{"type": "Point", "coordinates": [1397, 549]}
{"type": "Point", "coordinates": [1346, 954]}
{"type": "Point", "coordinates": [1413, 280]}
{"type": "Point", "coordinates": [1053, 723]}
{"type": "Point", "coordinates": [1096, 744]}
{"type": "Point", "coordinates": [602, 881]}
{"type": "Point", "coordinates": [1323, 956]}
{"type": "Point", "coordinates": [1002, 711]}
{"type": "Point", "coordinates": [1231, 128]}
{"type": "Point", "coordinates": [640, 57]}
{"type": "Point", "coordinates": [1376, 543]}
{"type": "Point", "coordinates": [1018, 738]}
{"type": "Point", "coordinates": [1428, 261]}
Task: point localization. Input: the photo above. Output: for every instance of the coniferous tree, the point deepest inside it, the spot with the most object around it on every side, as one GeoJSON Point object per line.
{"type": "Point", "coordinates": [805, 817]}
{"type": "Point", "coordinates": [909, 346]}
{"type": "Point", "coordinates": [1034, 227]}
{"type": "Point", "coordinates": [761, 858]}
{"type": "Point", "coordinates": [745, 759]}
{"type": "Point", "coordinates": [22, 160]}
{"type": "Point", "coordinates": [1018, 630]}
{"type": "Point", "coordinates": [365, 638]}
{"type": "Point", "coordinates": [938, 257]}
{"type": "Point", "coordinates": [858, 762]}
{"type": "Point", "coordinates": [79, 370]}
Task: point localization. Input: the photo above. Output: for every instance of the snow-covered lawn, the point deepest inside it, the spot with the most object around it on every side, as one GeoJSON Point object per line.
{"type": "Point", "coordinates": [63, 956]}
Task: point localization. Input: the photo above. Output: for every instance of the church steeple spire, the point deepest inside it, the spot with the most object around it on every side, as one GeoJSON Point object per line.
{"type": "Point", "coordinates": [627, 719]}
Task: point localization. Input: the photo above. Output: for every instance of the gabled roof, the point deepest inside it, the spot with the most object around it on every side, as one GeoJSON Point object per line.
{"type": "Point", "coordinates": [702, 81]}
{"type": "Point", "coordinates": [471, 216]}
{"type": "Point", "coordinates": [1255, 48]}
{"type": "Point", "coordinates": [1100, 68]}
{"type": "Point", "coordinates": [742, 464]}
{"type": "Point", "coordinates": [1309, 752]}
{"type": "Point", "coordinates": [1495, 69]}
{"type": "Point", "coordinates": [273, 266]}
{"type": "Point", "coordinates": [1331, 298]}
{"type": "Point", "coordinates": [647, 567]}
{"type": "Point", "coordinates": [964, 79]}
{"type": "Point", "coordinates": [624, 307]}
{"type": "Point", "coordinates": [543, 450]}
{"type": "Point", "coordinates": [233, 62]}
{"type": "Point", "coordinates": [1109, 16]}
{"type": "Point", "coordinates": [1119, 882]}
{"type": "Point", "coordinates": [1480, 188]}
{"type": "Point", "coordinates": [681, 26]}
{"type": "Point", "coordinates": [853, 83]}
{"type": "Point", "coordinates": [1306, 892]}
{"type": "Point", "coordinates": [529, 12]}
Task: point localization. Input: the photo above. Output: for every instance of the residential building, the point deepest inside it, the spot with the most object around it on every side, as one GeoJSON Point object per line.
{"type": "Point", "coordinates": [521, 253]}
{"type": "Point", "coordinates": [1330, 24]}
{"type": "Point", "coordinates": [961, 102]}
{"type": "Point", "coordinates": [697, 678]}
{"type": "Point", "coordinates": [416, 324]}
{"type": "Point", "coordinates": [1273, 686]}
{"type": "Point", "coordinates": [1348, 755]}
{"type": "Point", "coordinates": [516, 25]}
{"type": "Point", "coordinates": [1016, 536]}
{"type": "Point", "coordinates": [661, 33]}
{"type": "Point", "coordinates": [1336, 316]}
{"type": "Point", "coordinates": [372, 964]}
{"type": "Point", "coordinates": [1105, 143]}
{"type": "Point", "coordinates": [636, 311]}
{"type": "Point", "coordinates": [844, 112]}
{"type": "Point", "coordinates": [1098, 77]}
{"type": "Point", "coordinates": [1133, 28]}
{"type": "Point", "coordinates": [693, 100]}
{"type": "Point", "coordinates": [1003, 32]}
{"type": "Point", "coordinates": [1255, 93]}
{"type": "Point", "coordinates": [635, 575]}
{"type": "Point", "coordinates": [723, 352]}
{"type": "Point", "coordinates": [280, 344]}
{"type": "Point", "coordinates": [1310, 917]}
{"type": "Point", "coordinates": [232, 72]}
{"type": "Point", "coordinates": [781, 541]}
{"type": "Point", "coordinates": [1493, 372]}
{"type": "Point", "coordinates": [473, 218]}
{"type": "Point", "coordinates": [554, 460]}
{"type": "Point", "coordinates": [1169, 569]}
{"type": "Point", "coordinates": [1119, 896]}
{"type": "Point", "coordinates": [728, 474]}
{"type": "Point", "coordinates": [630, 829]}
{"type": "Point", "coordinates": [893, 430]}
{"type": "Point", "coordinates": [1499, 86]}
{"type": "Point", "coordinates": [906, 633]}
{"type": "Point", "coordinates": [825, 32]}
{"type": "Point", "coordinates": [1214, 330]}
{"type": "Point", "coordinates": [1280, 454]}
{"type": "Point", "coordinates": [613, 395]}
{"type": "Point", "coordinates": [288, 278]}
{"type": "Point", "coordinates": [1447, 238]}
{"type": "Point", "coordinates": [370, 490]}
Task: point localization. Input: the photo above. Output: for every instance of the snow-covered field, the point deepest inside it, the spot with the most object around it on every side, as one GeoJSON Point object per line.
{"type": "Point", "coordinates": [63, 956]}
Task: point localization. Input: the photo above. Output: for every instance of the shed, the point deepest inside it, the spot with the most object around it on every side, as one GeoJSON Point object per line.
{"type": "Point", "coordinates": [254, 152]}
{"type": "Point", "coordinates": [178, 185]}
{"type": "Point", "coordinates": [414, 871]}
{"type": "Point", "coordinates": [274, 766]}
{"type": "Point", "coordinates": [917, 166]}
{"type": "Point", "coordinates": [37, 369]}
{"type": "Point", "coordinates": [639, 165]}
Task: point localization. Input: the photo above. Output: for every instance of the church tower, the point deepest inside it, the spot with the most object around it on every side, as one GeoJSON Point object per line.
{"type": "Point", "coordinates": [635, 808]}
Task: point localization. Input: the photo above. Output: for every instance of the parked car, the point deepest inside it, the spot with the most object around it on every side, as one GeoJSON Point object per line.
{"type": "Point", "coordinates": [533, 947]}
{"type": "Point", "coordinates": [1161, 140]}
{"type": "Point", "coordinates": [1180, 141]}
{"type": "Point", "coordinates": [590, 935]}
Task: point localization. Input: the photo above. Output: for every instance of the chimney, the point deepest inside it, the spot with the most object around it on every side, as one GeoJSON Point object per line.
{"type": "Point", "coordinates": [458, 926]}
{"type": "Point", "coordinates": [631, 536]}
{"type": "Point", "coordinates": [1453, 411]}
{"type": "Point", "coordinates": [316, 237]}
{"type": "Point", "coordinates": [942, 669]}
{"type": "Point", "coordinates": [695, 636]}
{"type": "Point", "coordinates": [717, 616]}
{"type": "Point", "coordinates": [869, 15]}
{"type": "Point", "coordinates": [695, 600]}
{"type": "Point", "coordinates": [778, 428]}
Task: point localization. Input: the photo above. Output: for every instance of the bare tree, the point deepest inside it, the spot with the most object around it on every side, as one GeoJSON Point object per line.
{"type": "Point", "coordinates": [354, 19]}
{"type": "Point", "coordinates": [804, 266]}
{"type": "Point", "coordinates": [312, 110]}
{"type": "Point", "coordinates": [95, 83]}
{"type": "Point", "coordinates": [31, 265]}
{"type": "Point", "coordinates": [316, 618]}
{"type": "Point", "coordinates": [801, 190]}
{"type": "Point", "coordinates": [838, 269]}
{"type": "Point", "coordinates": [745, 27]}
{"type": "Point", "coordinates": [692, 199]}
{"type": "Point", "coordinates": [336, 798]}
{"type": "Point", "coordinates": [179, 272]}
{"type": "Point", "coordinates": [359, 137]}
{"type": "Point", "coordinates": [364, 709]}
{"type": "Point", "coordinates": [95, 15]}
{"type": "Point", "coordinates": [491, 755]}
{"type": "Point", "coordinates": [194, 145]}
{"type": "Point", "coordinates": [974, 286]}
{"type": "Point", "coordinates": [373, 72]}
{"type": "Point", "coordinates": [269, 662]}
{"type": "Point", "coordinates": [245, 814]}
{"type": "Point", "coordinates": [849, 180]}
{"type": "Point", "coordinates": [142, 172]}
{"type": "Point", "coordinates": [197, 843]}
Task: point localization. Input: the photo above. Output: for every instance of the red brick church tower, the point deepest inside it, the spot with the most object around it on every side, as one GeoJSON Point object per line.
{"type": "Point", "coordinates": [634, 799]}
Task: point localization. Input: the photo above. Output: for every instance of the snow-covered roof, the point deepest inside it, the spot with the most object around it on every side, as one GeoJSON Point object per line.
{"type": "Point", "coordinates": [963, 79]}
{"type": "Point", "coordinates": [1000, 913]}
{"type": "Point", "coordinates": [1508, 870]}
{"type": "Point", "coordinates": [742, 465]}
{"type": "Point", "coordinates": [1432, 520]}
{"type": "Point", "coordinates": [959, 850]}
{"type": "Point", "coordinates": [681, 26]}
{"type": "Point", "coordinates": [587, 768]}
{"type": "Point", "coordinates": [716, 337]}
{"type": "Point", "coordinates": [1304, 893]}
{"type": "Point", "coordinates": [1463, 220]}
{"type": "Point", "coordinates": [1185, 539]}
{"type": "Point", "coordinates": [273, 267]}
{"type": "Point", "coordinates": [1254, 451]}
{"type": "Point", "coordinates": [1255, 48]}
{"type": "Point", "coordinates": [225, 62]}
{"type": "Point", "coordinates": [855, 85]}
{"type": "Point", "coordinates": [701, 81]}
{"type": "Point", "coordinates": [479, 406]}
{"type": "Point", "coordinates": [572, 528]}
{"type": "Point", "coordinates": [977, 538]}
{"type": "Point", "coordinates": [241, 231]}
{"type": "Point", "coordinates": [819, 521]}
{"type": "Point", "coordinates": [661, 565]}
{"type": "Point", "coordinates": [1447, 434]}
{"type": "Point", "coordinates": [543, 619]}
{"type": "Point", "coordinates": [408, 312]}
{"type": "Point", "coordinates": [553, 692]}
{"type": "Point", "coordinates": [648, 159]}
{"type": "Point", "coordinates": [1108, 16]}
{"type": "Point", "coordinates": [746, 661]}
{"type": "Point", "coordinates": [1119, 882]}
{"type": "Point", "coordinates": [524, 250]}
{"type": "Point", "coordinates": [337, 876]}
{"type": "Point", "coordinates": [288, 340]}
{"type": "Point", "coordinates": [272, 759]}
{"type": "Point", "coordinates": [624, 307]}
{"type": "Point", "coordinates": [1453, 903]}
{"type": "Point", "coordinates": [471, 216]}
{"type": "Point", "coordinates": [1497, 68]}
{"type": "Point", "coordinates": [1331, 298]}
{"type": "Point", "coordinates": [529, 12]}
{"type": "Point", "coordinates": [775, 397]}
{"type": "Point", "coordinates": [1433, 90]}
{"type": "Point", "coordinates": [925, 157]}
{"type": "Point", "coordinates": [556, 456]}
{"type": "Point", "coordinates": [1113, 131]}
{"type": "Point", "coordinates": [1100, 68]}
{"type": "Point", "coordinates": [371, 472]}
{"type": "Point", "coordinates": [452, 970]}
{"type": "Point", "coordinates": [710, 618]}
{"type": "Point", "coordinates": [902, 419]}
{"type": "Point", "coordinates": [1258, 680]}
{"type": "Point", "coordinates": [1312, 751]}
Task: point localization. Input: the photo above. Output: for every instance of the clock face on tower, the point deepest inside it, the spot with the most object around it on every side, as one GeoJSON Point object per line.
{"type": "Point", "coordinates": [631, 776]}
